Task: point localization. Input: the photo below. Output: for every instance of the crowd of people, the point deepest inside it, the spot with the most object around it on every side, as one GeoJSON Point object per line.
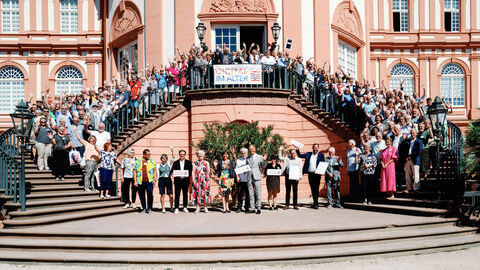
{"type": "Point", "coordinates": [395, 143]}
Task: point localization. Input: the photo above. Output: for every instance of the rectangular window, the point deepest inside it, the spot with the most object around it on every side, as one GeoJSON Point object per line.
{"type": "Point", "coordinates": [347, 58]}
{"type": "Point", "coordinates": [128, 60]}
{"type": "Point", "coordinates": [452, 15]}
{"type": "Point", "coordinates": [400, 15]}
{"type": "Point", "coordinates": [69, 16]}
{"type": "Point", "coordinates": [10, 16]}
{"type": "Point", "coordinates": [228, 37]}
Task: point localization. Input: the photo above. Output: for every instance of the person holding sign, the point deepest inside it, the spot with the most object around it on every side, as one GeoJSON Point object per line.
{"type": "Point", "coordinates": [242, 180]}
{"type": "Point", "coordinates": [312, 159]}
{"type": "Point", "coordinates": [273, 172]}
{"type": "Point", "coordinates": [332, 177]}
{"type": "Point", "coordinates": [145, 179]}
{"type": "Point", "coordinates": [292, 170]}
{"type": "Point", "coordinates": [181, 171]}
{"type": "Point", "coordinates": [255, 161]}
{"type": "Point", "coordinates": [201, 187]}
{"type": "Point", "coordinates": [226, 176]}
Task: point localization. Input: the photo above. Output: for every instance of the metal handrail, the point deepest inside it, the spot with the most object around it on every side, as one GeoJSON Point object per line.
{"type": "Point", "coordinates": [12, 176]}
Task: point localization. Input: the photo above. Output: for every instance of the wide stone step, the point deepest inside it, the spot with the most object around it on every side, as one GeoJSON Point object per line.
{"type": "Point", "coordinates": [49, 176]}
{"type": "Point", "coordinates": [443, 204]}
{"type": "Point", "coordinates": [60, 194]}
{"type": "Point", "coordinates": [39, 189]}
{"type": "Point", "coordinates": [251, 243]}
{"type": "Point", "coordinates": [242, 256]}
{"type": "Point", "coordinates": [35, 204]}
{"type": "Point", "coordinates": [63, 209]}
{"type": "Point", "coordinates": [50, 182]}
{"type": "Point", "coordinates": [397, 209]}
{"type": "Point", "coordinates": [35, 221]}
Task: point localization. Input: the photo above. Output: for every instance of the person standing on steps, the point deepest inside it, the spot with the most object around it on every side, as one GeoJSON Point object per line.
{"type": "Point", "coordinates": [92, 158]}
{"type": "Point", "coordinates": [256, 162]}
{"type": "Point", "coordinates": [332, 177]}
{"type": "Point", "coordinates": [242, 181]}
{"type": "Point", "coordinates": [164, 180]}
{"type": "Point", "coordinates": [107, 164]}
{"type": "Point", "coordinates": [145, 178]}
{"type": "Point", "coordinates": [312, 159]}
{"type": "Point", "coordinates": [273, 183]}
{"type": "Point", "coordinates": [226, 176]}
{"type": "Point", "coordinates": [201, 185]}
{"type": "Point", "coordinates": [388, 157]}
{"type": "Point", "coordinates": [42, 143]}
{"type": "Point", "coordinates": [367, 162]}
{"type": "Point", "coordinates": [181, 183]}
{"type": "Point", "coordinates": [61, 143]}
{"type": "Point", "coordinates": [292, 166]}
{"type": "Point", "coordinates": [128, 164]}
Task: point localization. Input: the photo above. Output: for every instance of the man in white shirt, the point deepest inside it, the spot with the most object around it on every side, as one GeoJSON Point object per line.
{"type": "Point", "coordinates": [102, 136]}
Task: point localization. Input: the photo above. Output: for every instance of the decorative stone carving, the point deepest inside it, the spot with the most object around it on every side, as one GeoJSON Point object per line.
{"type": "Point", "coordinates": [124, 22]}
{"type": "Point", "coordinates": [348, 21]}
{"type": "Point", "coordinates": [238, 6]}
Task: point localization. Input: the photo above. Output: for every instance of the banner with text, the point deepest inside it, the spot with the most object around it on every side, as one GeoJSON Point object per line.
{"type": "Point", "coordinates": [237, 74]}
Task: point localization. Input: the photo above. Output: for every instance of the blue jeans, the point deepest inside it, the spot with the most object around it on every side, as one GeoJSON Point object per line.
{"type": "Point", "coordinates": [146, 187]}
{"type": "Point", "coordinates": [336, 186]}
{"type": "Point", "coordinates": [105, 178]}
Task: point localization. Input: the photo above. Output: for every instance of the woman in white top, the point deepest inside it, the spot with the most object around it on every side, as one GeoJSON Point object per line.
{"type": "Point", "coordinates": [292, 169]}
{"type": "Point", "coordinates": [127, 165]}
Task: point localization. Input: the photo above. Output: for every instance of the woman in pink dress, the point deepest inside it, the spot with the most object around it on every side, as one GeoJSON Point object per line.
{"type": "Point", "coordinates": [201, 187]}
{"type": "Point", "coordinates": [388, 158]}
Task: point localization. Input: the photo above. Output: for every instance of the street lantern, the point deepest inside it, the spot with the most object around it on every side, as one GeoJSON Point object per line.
{"type": "Point", "coordinates": [275, 32]}
{"type": "Point", "coordinates": [22, 120]}
{"type": "Point", "coordinates": [201, 34]}
{"type": "Point", "coordinates": [437, 114]}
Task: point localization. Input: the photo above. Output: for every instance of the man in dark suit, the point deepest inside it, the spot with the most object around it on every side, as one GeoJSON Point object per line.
{"type": "Point", "coordinates": [312, 159]}
{"type": "Point", "coordinates": [182, 183]}
{"type": "Point", "coordinates": [410, 150]}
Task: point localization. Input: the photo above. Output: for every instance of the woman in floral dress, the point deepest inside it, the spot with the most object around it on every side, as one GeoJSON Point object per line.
{"type": "Point", "coordinates": [226, 176]}
{"type": "Point", "coordinates": [201, 187]}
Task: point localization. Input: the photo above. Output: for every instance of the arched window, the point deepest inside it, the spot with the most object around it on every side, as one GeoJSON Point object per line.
{"type": "Point", "coordinates": [68, 79]}
{"type": "Point", "coordinates": [12, 88]}
{"type": "Point", "coordinates": [399, 73]}
{"type": "Point", "coordinates": [452, 84]}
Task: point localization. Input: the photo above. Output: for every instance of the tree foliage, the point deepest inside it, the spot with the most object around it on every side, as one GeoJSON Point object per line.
{"type": "Point", "coordinates": [472, 149]}
{"type": "Point", "coordinates": [231, 137]}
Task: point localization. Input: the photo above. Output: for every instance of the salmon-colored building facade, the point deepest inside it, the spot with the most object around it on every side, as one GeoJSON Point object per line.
{"type": "Point", "coordinates": [68, 45]}
{"type": "Point", "coordinates": [72, 44]}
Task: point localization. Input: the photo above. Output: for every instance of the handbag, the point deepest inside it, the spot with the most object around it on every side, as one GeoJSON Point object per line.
{"type": "Point", "coordinates": [74, 157]}
{"type": "Point", "coordinates": [83, 162]}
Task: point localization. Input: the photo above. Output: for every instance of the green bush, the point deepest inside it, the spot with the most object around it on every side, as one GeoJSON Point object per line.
{"type": "Point", "coordinates": [472, 150]}
{"type": "Point", "coordinates": [231, 137]}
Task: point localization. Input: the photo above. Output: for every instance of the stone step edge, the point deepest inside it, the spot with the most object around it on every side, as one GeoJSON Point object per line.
{"type": "Point", "coordinates": [63, 218]}
{"type": "Point", "coordinates": [269, 231]}
{"type": "Point", "coordinates": [244, 257]}
{"type": "Point", "coordinates": [192, 244]}
{"type": "Point", "coordinates": [51, 210]}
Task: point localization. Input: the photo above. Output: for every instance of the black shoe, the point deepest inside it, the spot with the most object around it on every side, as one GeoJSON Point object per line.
{"type": "Point", "coordinates": [315, 206]}
{"type": "Point", "coordinates": [228, 211]}
{"type": "Point", "coordinates": [276, 208]}
{"type": "Point", "coordinates": [250, 212]}
{"type": "Point", "coordinates": [271, 208]}
{"type": "Point", "coordinates": [238, 210]}
{"type": "Point", "coordinates": [259, 212]}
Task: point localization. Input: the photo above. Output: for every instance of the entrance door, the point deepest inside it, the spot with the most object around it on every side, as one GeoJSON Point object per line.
{"type": "Point", "coordinates": [253, 34]}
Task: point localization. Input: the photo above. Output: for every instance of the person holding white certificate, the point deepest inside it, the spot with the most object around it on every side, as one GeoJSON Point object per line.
{"type": "Point", "coordinates": [242, 181]}
{"type": "Point", "coordinates": [312, 160]}
{"type": "Point", "coordinates": [273, 171]}
{"type": "Point", "coordinates": [182, 173]}
{"type": "Point", "coordinates": [292, 169]}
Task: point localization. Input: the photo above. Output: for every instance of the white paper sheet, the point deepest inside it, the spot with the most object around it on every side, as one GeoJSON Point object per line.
{"type": "Point", "coordinates": [294, 173]}
{"type": "Point", "coordinates": [180, 173]}
{"type": "Point", "coordinates": [274, 172]}
{"type": "Point", "coordinates": [242, 169]}
{"type": "Point", "coordinates": [297, 144]}
{"type": "Point", "coordinates": [321, 168]}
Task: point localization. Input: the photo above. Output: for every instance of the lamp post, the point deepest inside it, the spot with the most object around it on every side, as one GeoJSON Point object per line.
{"type": "Point", "coordinates": [22, 123]}
{"type": "Point", "coordinates": [275, 32]}
{"type": "Point", "coordinates": [437, 114]}
{"type": "Point", "coordinates": [201, 35]}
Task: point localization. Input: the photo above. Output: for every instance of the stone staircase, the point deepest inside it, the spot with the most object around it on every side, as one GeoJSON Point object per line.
{"type": "Point", "coordinates": [272, 245]}
{"type": "Point", "coordinates": [50, 201]}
